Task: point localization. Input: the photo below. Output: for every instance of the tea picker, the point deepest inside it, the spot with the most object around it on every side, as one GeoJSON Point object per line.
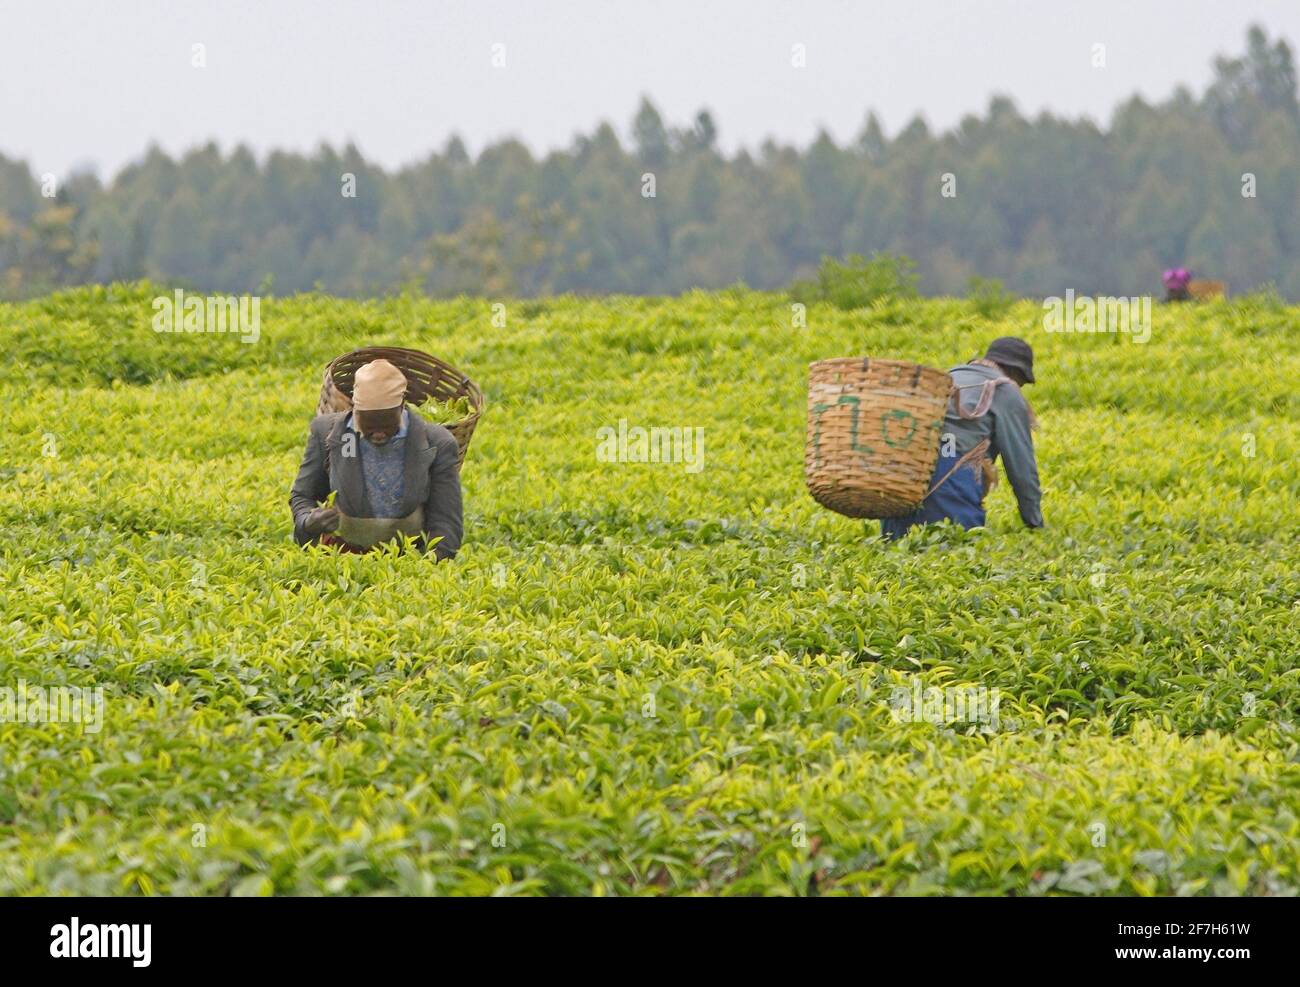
{"type": "Point", "coordinates": [913, 445]}
{"type": "Point", "coordinates": [376, 471]}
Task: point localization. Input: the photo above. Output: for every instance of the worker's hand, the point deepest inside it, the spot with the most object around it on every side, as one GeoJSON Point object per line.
{"type": "Point", "coordinates": [322, 519]}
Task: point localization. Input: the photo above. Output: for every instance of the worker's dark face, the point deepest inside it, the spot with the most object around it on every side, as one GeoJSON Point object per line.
{"type": "Point", "coordinates": [378, 426]}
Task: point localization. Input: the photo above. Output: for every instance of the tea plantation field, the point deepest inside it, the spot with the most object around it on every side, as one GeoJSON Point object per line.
{"type": "Point", "coordinates": [637, 679]}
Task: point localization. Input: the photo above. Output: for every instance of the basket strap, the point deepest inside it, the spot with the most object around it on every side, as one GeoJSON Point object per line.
{"type": "Point", "coordinates": [985, 401]}
{"type": "Point", "coordinates": [975, 453]}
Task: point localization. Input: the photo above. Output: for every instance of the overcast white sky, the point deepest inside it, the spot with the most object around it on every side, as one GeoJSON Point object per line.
{"type": "Point", "coordinates": [97, 82]}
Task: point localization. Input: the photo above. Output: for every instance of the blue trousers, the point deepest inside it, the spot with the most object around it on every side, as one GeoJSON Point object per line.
{"type": "Point", "coordinates": [960, 499]}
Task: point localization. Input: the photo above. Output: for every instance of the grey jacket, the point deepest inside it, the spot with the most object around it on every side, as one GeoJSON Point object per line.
{"type": "Point", "coordinates": [1006, 426]}
{"type": "Point", "coordinates": [432, 479]}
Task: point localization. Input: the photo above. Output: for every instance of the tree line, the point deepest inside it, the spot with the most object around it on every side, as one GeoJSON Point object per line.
{"type": "Point", "coordinates": [1208, 182]}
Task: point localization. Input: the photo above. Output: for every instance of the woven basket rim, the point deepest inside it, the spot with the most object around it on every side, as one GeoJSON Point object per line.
{"type": "Point", "coordinates": [432, 376]}
{"type": "Point", "coordinates": [871, 361]}
{"type": "Point", "coordinates": [472, 390]}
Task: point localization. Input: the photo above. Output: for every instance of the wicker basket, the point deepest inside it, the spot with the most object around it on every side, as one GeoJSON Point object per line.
{"type": "Point", "coordinates": [873, 434]}
{"type": "Point", "coordinates": [1204, 291]}
{"type": "Point", "coordinates": [426, 377]}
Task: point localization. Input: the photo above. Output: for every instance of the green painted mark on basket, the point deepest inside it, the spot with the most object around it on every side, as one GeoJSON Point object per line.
{"type": "Point", "coordinates": [855, 412]}
{"type": "Point", "coordinates": [898, 414]}
{"type": "Point", "coordinates": [818, 410]}
{"type": "Point", "coordinates": [855, 404]}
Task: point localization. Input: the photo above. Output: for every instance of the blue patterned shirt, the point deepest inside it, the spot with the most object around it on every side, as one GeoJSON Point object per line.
{"type": "Point", "coordinates": [383, 468]}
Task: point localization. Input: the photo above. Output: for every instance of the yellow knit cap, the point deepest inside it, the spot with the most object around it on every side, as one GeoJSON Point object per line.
{"type": "Point", "coordinates": [379, 385]}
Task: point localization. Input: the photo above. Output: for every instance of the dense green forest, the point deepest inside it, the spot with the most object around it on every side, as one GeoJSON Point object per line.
{"type": "Point", "coordinates": [1210, 182]}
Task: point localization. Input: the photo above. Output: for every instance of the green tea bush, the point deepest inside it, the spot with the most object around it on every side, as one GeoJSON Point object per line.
{"type": "Point", "coordinates": [635, 679]}
{"type": "Point", "coordinates": [858, 282]}
{"type": "Point", "coordinates": [989, 298]}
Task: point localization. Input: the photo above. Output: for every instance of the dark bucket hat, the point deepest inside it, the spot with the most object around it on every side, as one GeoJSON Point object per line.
{"type": "Point", "coordinates": [1012, 351]}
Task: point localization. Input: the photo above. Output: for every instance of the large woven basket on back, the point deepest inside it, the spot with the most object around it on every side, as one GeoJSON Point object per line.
{"type": "Point", "coordinates": [426, 377]}
{"type": "Point", "coordinates": [873, 434]}
{"type": "Point", "coordinates": [1204, 291]}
